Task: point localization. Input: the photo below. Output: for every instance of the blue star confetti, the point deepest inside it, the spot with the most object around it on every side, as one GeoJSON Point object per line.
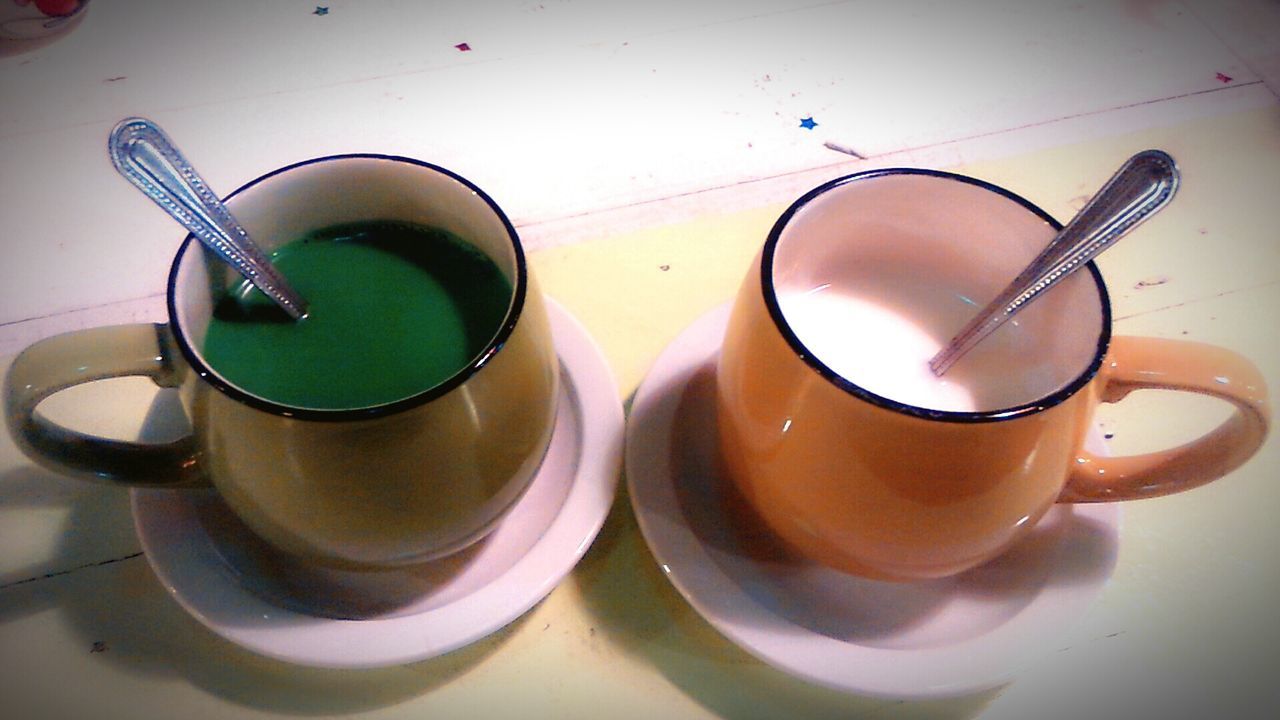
{"type": "Point", "coordinates": [808, 123]}
{"type": "Point", "coordinates": [321, 10]}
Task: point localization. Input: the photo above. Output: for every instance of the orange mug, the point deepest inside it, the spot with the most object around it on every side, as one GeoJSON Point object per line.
{"type": "Point", "coordinates": [837, 437]}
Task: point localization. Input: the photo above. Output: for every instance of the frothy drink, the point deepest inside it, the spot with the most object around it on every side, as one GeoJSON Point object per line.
{"type": "Point", "coordinates": [878, 348]}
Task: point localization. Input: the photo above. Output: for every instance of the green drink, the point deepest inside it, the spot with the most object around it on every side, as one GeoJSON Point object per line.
{"type": "Point", "coordinates": [394, 310]}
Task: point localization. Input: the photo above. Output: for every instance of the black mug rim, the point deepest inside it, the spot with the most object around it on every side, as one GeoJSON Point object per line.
{"type": "Point", "coordinates": [499, 340]}
{"type": "Point", "coordinates": [982, 416]}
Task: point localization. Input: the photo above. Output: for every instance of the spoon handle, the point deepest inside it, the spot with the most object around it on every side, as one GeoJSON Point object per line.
{"type": "Point", "coordinates": [142, 153]}
{"type": "Point", "coordinates": [1141, 187]}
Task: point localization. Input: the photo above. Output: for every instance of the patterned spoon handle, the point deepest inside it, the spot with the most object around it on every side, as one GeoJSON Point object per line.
{"type": "Point", "coordinates": [1141, 187]}
{"type": "Point", "coordinates": [143, 154]}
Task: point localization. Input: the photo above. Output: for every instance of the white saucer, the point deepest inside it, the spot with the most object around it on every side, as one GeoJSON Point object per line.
{"type": "Point", "coordinates": [449, 603]}
{"type": "Point", "coordinates": [905, 641]}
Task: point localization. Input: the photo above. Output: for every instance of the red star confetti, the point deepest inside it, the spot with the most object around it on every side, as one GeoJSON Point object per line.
{"type": "Point", "coordinates": [1224, 78]}
{"type": "Point", "coordinates": [463, 47]}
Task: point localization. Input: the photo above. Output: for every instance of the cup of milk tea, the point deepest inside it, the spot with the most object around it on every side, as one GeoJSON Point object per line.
{"type": "Point", "coordinates": [839, 439]}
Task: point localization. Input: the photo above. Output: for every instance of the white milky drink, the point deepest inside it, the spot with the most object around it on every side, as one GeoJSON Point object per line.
{"type": "Point", "coordinates": [873, 346]}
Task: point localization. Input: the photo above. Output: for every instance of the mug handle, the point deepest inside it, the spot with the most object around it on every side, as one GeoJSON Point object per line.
{"type": "Point", "coordinates": [62, 361]}
{"type": "Point", "coordinates": [1156, 363]}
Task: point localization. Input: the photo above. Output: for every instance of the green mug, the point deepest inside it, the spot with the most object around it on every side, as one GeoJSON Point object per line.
{"type": "Point", "coordinates": [400, 480]}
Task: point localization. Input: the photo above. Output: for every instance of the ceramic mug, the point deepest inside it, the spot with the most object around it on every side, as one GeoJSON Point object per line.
{"type": "Point", "coordinates": [837, 437]}
{"type": "Point", "coordinates": [400, 482]}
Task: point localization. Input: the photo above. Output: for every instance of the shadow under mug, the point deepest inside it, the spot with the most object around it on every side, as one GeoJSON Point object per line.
{"type": "Point", "coordinates": [858, 480]}
{"type": "Point", "coordinates": [406, 481]}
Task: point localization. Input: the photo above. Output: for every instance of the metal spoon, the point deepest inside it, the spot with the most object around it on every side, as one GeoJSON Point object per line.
{"type": "Point", "coordinates": [143, 154]}
{"type": "Point", "coordinates": [1141, 187]}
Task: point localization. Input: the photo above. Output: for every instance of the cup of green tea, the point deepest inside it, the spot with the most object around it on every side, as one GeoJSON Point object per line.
{"type": "Point", "coordinates": [396, 423]}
